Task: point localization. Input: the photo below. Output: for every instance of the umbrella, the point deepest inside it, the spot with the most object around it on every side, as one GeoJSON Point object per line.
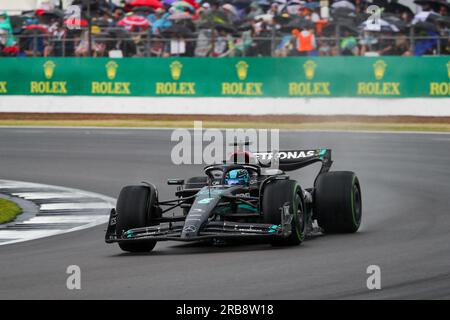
{"type": "Point", "coordinates": [382, 26]}
{"type": "Point", "coordinates": [344, 4]}
{"type": "Point", "coordinates": [282, 19]}
{"type": "Point", "coordinates": [434, 4]}
{"type": "Point", "coordinates": [245, 25]}
{"type": "Point", "coordinates": [134, 21]}
{"type": "Point", "coordinates": [342, 12]}
{"type": "Point", "coordinates": [17, 22]}
{"type": "Point", "coordinates": [298, 23]}
{"type": "Point", "coordinates": [425, 26]}
{"type": "Point", "coordinates": [263, 3]}
{"type": "Point", "coordinates": [155, 4]}
{"type": "Point", "coordinates": [425, 16]}
{"type": "Point", "coordinates": [177, 30]}
{"type": "Point", "coordinates": [57, 13]}
{"type": "Point", "coordinates": [445, 21]}
{"type": "Point", "coordinates": [95, 5]}
{"type": "Point", "coordinates": [267, 17]}
{"type": "Point", "coordinates": [183, 5]}
{"type": "Point", "coordinates": [293, 6]}
{"type": "Point", "coordinates": [395, 20]}
{"type": "Point", "coordinates": [230, 8]}
{"type": "Point", "coordinates": [193, 3]}
{"type": "Point", "coordinates": [143, 10]}
{"type": "Point", "coordinates": [37, 27]}
{"type": "Point", "coordinates": [180, 16]}
{"type": "Point", "coordinates": [331, 28]}
{"type": "Point", "coordinates": [72, 22]}
{"type": "Point", "coordinates": [218, 26]}
{"type": "Point", "coordinates": [397, 8]}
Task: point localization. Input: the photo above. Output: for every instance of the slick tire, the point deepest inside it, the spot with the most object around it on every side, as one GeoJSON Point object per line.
{"type": "Point", "coordinates": [337, 202]}
{"type": "Point", "coordinates": [135, 208]}
{"type": "Point", "coordinates": [275, 195]}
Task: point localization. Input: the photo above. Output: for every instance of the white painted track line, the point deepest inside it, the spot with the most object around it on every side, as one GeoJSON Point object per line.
{"type": "Point", "coordinates": [55, 218]}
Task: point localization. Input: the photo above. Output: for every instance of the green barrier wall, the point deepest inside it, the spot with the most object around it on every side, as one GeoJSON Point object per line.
{"type": "Point", "coordinates": [390, 77]}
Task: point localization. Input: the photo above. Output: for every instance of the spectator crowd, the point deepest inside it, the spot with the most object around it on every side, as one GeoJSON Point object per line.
{"type": "Point", "coordinates": [227, 28]}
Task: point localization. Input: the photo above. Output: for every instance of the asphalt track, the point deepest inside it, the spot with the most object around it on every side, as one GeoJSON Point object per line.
{"type": "Point", "coordinates": [405, 181]}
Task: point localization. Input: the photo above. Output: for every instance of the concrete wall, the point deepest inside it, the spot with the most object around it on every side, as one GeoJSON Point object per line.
{"type": "Point", "coordinates": [261, 106]}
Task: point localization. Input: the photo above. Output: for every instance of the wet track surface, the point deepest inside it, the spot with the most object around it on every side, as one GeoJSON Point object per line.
{"type": "Point", "coordinates": [405, 181]}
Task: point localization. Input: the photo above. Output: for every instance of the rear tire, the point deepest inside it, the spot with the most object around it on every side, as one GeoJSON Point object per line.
{"type": "Point", "coordinates": [275, 195]}
{"type": "Point", "coordinates": [135, 208]}
{"type": "Point", "coordinates": [337, 202]}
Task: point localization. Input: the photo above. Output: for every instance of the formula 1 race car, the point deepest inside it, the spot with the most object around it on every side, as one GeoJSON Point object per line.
{"type": "Point", "coordinates": [241, 200]}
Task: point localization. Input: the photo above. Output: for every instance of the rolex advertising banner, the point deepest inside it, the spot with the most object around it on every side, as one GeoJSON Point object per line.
{"type": "Point", "coordinates": [380, 77]}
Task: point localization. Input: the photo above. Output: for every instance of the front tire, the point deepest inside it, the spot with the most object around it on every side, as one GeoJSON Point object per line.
{"type": "Point", "coordinates": [136, 247]}
{"type": "Point", "coordinates": [337, 202]}
{"type": "Point", "coordinates": [135, 209]}
{"type": "Point", "coordinates": [275, 195]}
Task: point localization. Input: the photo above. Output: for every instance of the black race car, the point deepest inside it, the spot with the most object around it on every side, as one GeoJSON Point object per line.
{"type": "Point", "coordinates": [249, 199]}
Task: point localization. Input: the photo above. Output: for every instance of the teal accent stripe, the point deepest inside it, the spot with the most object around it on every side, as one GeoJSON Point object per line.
{"type": "Point", "coordinates": [322, 153]}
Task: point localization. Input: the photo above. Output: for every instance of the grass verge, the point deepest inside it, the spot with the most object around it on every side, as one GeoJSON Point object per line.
{"type": "Point", "coordinates": [325, 125]}
{"type": "Point", "coordinates": [8, 210]}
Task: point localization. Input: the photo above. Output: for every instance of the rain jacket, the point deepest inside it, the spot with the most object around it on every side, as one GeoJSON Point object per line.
{"type": "Point", "coordinates": [6, 25]}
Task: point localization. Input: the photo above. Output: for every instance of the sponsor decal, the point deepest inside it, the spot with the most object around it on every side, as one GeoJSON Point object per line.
{"type": "Point", "coordinates": [309, 68]}
{"type": "Point", "coordinates": [378, 87]}
{"type": "Point", "coordinates": [242, 69]}
{"type": "Point", "coordinates": [175, 70]}
{"type": "Point", "coordinates": [379, 68]}
{"type": "Point", "coordinates": [213, 191]}
{"type": "Point", "coordinates": [175, 87]}
{"type": "Point", "coordinates": [441, 88]}
{"type": "Point", "coordinates": [287, 155]}
{"type": "Point", "coordinates": [309, 87]}
{"type": "Point", "coordinates": [111, 87]}
{"type": "Point", "coordinates": [3, 88]}
{"type": "Point", "coordinates": [246, 194]}
{"type": "Point", "coordinates": [242, 88]}
{"type": "Point", "coordinates": [49, 69]}
{"type": "Point", "coordinates": [111, 70]}
{"type": "Point", "coordinates": [206, 200]}
{"type": "Point", "coordinates": [190, 228]}
{"type": "Point", "coordinates": [48, 87]}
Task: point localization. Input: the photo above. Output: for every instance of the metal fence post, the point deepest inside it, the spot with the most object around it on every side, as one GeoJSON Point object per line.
{"type": "Point", "coordinates": [338, 42]}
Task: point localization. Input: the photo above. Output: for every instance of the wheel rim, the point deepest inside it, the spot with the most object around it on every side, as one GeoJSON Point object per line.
{"type": "Point", "coordinates": [356, 205]}
{"type": "Point", "coordinates": [300, 220]}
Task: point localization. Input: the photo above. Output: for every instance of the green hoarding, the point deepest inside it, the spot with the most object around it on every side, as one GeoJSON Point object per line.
{"type": "Point", "coordinates": [389, 77]}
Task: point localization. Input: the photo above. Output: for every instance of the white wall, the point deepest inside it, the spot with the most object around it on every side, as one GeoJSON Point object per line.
{"type": "Point", "coordinates": [316, 106]}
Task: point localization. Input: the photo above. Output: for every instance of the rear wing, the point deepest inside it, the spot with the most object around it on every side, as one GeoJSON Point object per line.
{"type": "Point", "coordinates": [290, 160]}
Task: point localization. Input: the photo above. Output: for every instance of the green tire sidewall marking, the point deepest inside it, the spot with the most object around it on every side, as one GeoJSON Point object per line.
{"type": "Point", "coordinates": [299, 234]}
{"type": "Point", "coordinates": [353, 201]}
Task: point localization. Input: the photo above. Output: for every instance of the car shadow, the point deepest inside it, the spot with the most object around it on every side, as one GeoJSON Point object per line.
{"type": "Point", "coordinates": [205, 248]}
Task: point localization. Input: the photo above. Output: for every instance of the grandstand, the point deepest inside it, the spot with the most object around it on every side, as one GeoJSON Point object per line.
{"type": "Point", "coordinates": [215, 28]}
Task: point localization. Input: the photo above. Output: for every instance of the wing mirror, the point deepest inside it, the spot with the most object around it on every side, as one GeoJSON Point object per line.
{"type": "Point", "coordinates": [175, 182]}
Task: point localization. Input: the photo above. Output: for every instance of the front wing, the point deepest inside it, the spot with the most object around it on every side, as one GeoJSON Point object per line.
{"type": "Point", "coordinates": [210, 230]}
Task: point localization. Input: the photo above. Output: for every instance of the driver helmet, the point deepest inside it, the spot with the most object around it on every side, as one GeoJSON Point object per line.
{"type": "Point", "coordinates": [237, 177]}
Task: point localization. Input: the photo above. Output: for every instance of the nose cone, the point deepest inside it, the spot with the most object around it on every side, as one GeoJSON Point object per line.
{"type": "Point", "coordinates": [199, 212]}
